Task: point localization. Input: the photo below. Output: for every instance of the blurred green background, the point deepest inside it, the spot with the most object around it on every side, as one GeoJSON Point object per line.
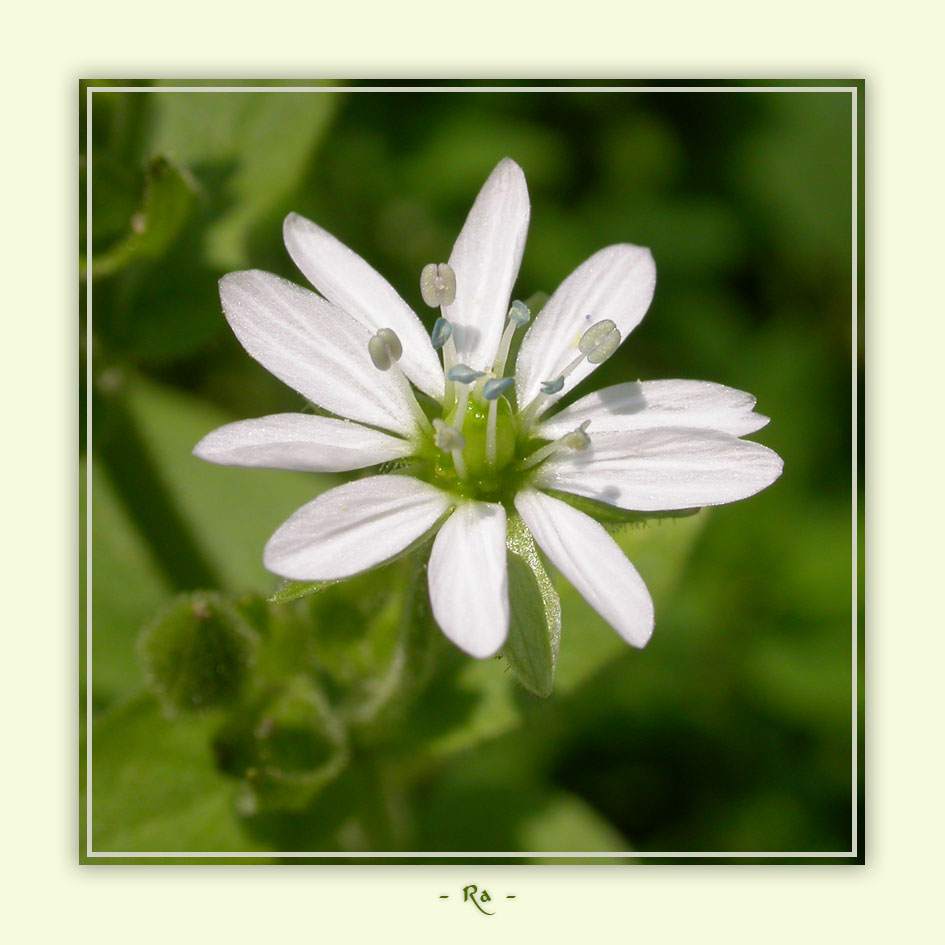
{"type": "Point", "coordinates": [731, 731]}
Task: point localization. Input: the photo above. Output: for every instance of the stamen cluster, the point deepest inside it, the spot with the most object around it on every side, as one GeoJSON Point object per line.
{"type": "Point", "coordinates": [476, 399]}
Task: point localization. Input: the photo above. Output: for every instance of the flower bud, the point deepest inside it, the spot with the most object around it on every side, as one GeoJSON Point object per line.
{"type": "Point", "coordinates": [198, 652]}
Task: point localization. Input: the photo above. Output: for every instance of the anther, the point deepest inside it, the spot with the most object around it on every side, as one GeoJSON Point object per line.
{"type": "Point", "coordinates": [385, 348]}
{"type": "Point", "coordinates": [494, 388]}
{"type": "Point", "coordinates": [394, 346]}
{"type": "Point", "coordinates": [597, 344]}
{"type": "Point", "coordinates": [447, 438]}
{"type": "Point", "coordinates": [464, 374]}
{"type": "Point", "coordinates": [451, 441]}
{"type": "Point", "coordinates": [600, 341]}
{"type": "Point", "coordinates": [438, 284]}
{"type": "Point", "coordinates": [577, 440]}
{"type": "Point", "coordinates": [442, 331]}
{"type": "Point", "coordinates": [519, 313]}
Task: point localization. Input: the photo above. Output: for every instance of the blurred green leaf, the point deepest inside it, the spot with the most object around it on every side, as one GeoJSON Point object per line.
{"type": "Point", "coordinates": [155, 787]}
{"type": "Point", "coordinates": [659, 550]}
{"type": "Point", "coordinates": [254, 147]}
{"type": "Point", "coordinates": [493, 802]}
{"type": "Point", "coordinates": [197, 652]}
{"type": "Point", "coordinates": [232, 511]}
{"type": "Point", "coordinates": [534, 613]}
{"type": "Point", "coordinates": [567, 823]}
{"type": "Point", "coordinates": [127, 588]}
{"type": "Point", "coordinates": [169, 198]}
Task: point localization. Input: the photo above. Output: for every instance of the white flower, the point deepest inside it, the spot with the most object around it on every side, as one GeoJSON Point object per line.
{"type": "Point", "coordinates": [356, 349]}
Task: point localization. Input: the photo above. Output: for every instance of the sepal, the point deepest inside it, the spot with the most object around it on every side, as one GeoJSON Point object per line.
{"type": "Point", "coordinates": [534, 612]}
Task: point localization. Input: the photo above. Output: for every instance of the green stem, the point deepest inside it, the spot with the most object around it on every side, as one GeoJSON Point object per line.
{"type": "Point", "coordinates": [118, 445]}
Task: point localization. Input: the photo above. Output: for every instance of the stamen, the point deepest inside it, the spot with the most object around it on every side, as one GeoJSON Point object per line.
{"type": "Point", "coordinates": [494, 388]}
{"type": "Point", "coordinates": [464, 374]}
{"type": "Point", "coordinates": [447, 438]}
{"type": "Point", "coordinates": [389, 337]}
{"type": "Point", "coordinates": [518, 315]}
{"type": "Point", "coordinates": [451, 441]}
{"type": "Point", "coordinates": [600, 341]}
{"type": "Point", "coordinates": [519, 312]}
{"type": "Point", "coordinates": [438, 284]}
{"type": "Point", "coordinates": [442, 332]}
{"type": "Point", "coordinates": [597, 344]}
{"type": "Point", "coordinates": [577, 440]}
{"type": "Point", "coordinates": [380, 353]}
{"type": "Point", "coordinates": [385, 350]}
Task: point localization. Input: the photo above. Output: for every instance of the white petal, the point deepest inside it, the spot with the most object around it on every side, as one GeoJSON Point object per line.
{"type": "Point", "coordinates": [592, 561]}
{"type": "Point", "coordinates": [300, 441]}
{"type": "Point", "coordinates": [345, 279]}
{"type": "Point", "coordinates": [616, 283]}
{"type": "Point", "coordinates": [313, 347]}
{"type": "Point", "coordinates": [486, 258]}
{"type": "Point", "coordinates": [643, 405]}
{"type": "Point", "coordinates": [468, 578]}
{"type": "Point", "coordinates": [663, 469]}
{"type": "Point", "coordinates": [354, 527]}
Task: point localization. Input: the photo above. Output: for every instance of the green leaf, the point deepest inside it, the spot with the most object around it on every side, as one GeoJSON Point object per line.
{"type": "Point", "coordinates": [155, 787]}
{"type": "Point", "coordinates": [254, 148]}
{"type": "Point", "coordinates": [168, 200]}
{"type": "Point", "coordinates": [197, 652]}
{"type": "Point", "coordinates": [534, 613]}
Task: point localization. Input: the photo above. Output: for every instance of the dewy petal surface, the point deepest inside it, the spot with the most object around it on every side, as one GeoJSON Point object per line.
{"type": "Point", "coordinates": [642, 405]}
{"type": "Point", "coordinates": [592, 561]}
{"type": "Point", "coordinates": [616, 283]}
{"type": "Point", "coordinates": [468, 578]}
{"type": "Point", "coordinates": [663, 469]}
{"type": "Point", "coordinates": [345, 279]}
{"type": "Point", "coordinates": [486, 259]}
{"type": "Point", "coordinates": [314, 347]}
{"type": "Point", "coordinates": [354, 527]}
{"type": "Point", "coordinates": [300, 441]}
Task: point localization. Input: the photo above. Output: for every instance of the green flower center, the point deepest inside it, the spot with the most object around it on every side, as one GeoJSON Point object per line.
{"type": "Point", "coordinates": [480, 448]}
{"type": "Point", "coordinates": [485, 476]}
